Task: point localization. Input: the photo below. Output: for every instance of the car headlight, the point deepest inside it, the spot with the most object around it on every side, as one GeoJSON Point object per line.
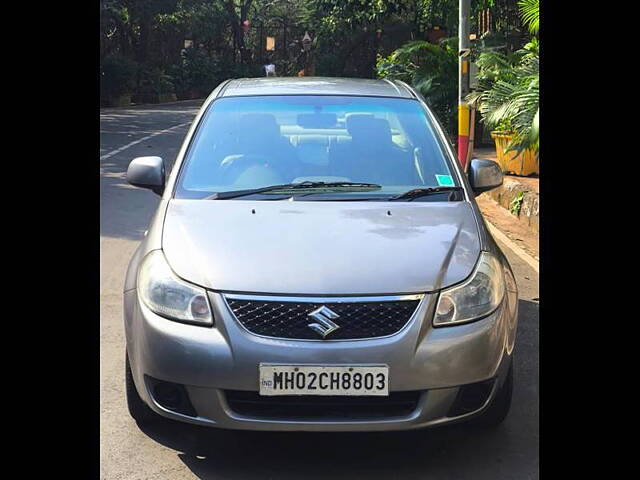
{"type": "Point", "coordinates": [477, 297]}
{"type": "Point", "coordinates": [167, 295]}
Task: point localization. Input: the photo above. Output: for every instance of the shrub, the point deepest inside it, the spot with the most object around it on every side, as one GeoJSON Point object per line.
{"type": "Point", "coordinates": [152, 84]}
{"type": "Point", "coordinates": [117, 76]}
{"type": "Point", "coordinates": [197, 74]}
{"type": "Point", "coordinates": [242, 70]}
{"type": "Point", "coordinates": [432, 70]}
{"type": "Point", "coordinates": [508, 94]}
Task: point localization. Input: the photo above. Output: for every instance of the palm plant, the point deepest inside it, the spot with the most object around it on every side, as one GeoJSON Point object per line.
{"type": "Point", "coordinates": [432, 70]}
{"type": "Point", "coordinates": [513, 106]}
{"type": "Point", "coordinates": [507, 94]}
{"type": "Point", "coordinates": [530, 11]}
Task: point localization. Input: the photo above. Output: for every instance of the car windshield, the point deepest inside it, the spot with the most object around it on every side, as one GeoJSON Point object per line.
{"type": "Point", "coordinates": [253, 142]}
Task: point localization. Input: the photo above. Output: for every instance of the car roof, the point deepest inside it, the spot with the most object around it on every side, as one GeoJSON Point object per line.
{"type": "Point", "coordinates": [314, 86]}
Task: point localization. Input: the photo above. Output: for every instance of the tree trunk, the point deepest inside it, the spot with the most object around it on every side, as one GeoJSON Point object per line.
{"type": "Point", "coordinates": [145, 36]}
{"type": "Point", "coordinates": [285, 54]}
{"type": "Point", "coordinates": [244, 11]}
{"type": "Point", "coordinates": [236, 25]}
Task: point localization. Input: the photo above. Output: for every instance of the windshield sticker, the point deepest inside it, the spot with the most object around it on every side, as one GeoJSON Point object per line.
{"type": "Point", "coordinates": [444, 180]}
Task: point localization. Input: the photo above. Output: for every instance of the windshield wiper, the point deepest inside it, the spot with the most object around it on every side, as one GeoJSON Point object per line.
{"type": "Point", "coordinates": [289, 187]}
{"type": "Point", "coordinates": [421, 192]}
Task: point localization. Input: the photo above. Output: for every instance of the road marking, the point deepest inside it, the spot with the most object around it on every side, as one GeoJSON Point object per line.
{"type": "Point", "coordinates": [532, 262]}
{"type": "Point", "coordinates": [135, 142]}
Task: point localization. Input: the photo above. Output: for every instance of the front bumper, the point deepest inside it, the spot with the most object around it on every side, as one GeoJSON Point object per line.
{"type": "Point", "coordinates": [209, 361]}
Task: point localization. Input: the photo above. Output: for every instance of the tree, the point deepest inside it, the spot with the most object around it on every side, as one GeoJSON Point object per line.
{"type": "Point", "coordinates": [116, 35]}
{"type": "Point", "coordinates": [143, 13]}
{"type": "Point", "coordinates": [287, 20]}
{"type": "Point", "coordinates": [432, 70]}
{"type": "Point", "coordinates": [347, 31]}
{"type": "Point", "coordinates": [348, 37]}
{"type": "Point", "coordinates": [237, 11]}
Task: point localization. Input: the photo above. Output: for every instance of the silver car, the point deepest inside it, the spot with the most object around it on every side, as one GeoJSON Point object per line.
{"type": "Point", "coordinates": [318, 262]}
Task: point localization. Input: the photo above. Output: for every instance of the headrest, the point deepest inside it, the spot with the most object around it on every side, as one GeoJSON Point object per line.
{"type": "Point", "coordinates": [356, 122]}
{"type": "Point", "coordinates": [367, 127]}
{"type": "Point", "coordinates": [262, 124]}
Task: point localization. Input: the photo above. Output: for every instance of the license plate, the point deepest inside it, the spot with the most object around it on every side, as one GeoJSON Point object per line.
{"type": "Point", "coordinates": [324, 380]}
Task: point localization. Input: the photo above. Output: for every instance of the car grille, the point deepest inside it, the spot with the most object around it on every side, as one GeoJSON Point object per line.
{"type": "Point", "coordinates": [252, 404]}
{"type": "Point", "coordinates": [356, 319]}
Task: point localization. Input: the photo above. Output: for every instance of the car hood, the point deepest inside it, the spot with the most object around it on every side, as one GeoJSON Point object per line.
{"type": "Point", "coordinates": [320, 248]}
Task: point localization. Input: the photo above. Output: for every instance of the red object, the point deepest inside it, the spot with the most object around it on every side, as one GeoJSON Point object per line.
{"type": "Point", "coordinates": [245, 26]}
{"type": "Point", "coordinates": [463, 149]}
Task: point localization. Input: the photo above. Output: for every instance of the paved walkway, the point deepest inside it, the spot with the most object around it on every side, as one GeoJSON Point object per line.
{"type": "Point", "coordinates": [523, 236]}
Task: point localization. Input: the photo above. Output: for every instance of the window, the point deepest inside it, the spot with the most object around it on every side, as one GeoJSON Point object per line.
{"type": "Point", "coordinates": [252, 142]}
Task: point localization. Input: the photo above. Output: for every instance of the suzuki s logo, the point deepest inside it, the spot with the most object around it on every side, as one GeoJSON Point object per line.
{"type": "Point", "coordinates": [324, 317]}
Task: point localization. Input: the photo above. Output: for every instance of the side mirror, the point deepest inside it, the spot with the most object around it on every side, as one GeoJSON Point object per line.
{"type": "Point", "coordinates": [484, 175]}
{"type": "Point", "coordinates": [147, 172]}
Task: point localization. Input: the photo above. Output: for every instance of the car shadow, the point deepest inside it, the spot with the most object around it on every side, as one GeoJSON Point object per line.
{"type": "Point", "coordinates": [215, 453]}
{"type": "Point", "coordinates": [457, 451]}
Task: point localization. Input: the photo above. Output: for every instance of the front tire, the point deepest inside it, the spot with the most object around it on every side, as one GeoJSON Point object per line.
{"type": "Point", "coordinates": [499, 408]}
{"type": "Point", "coordinates": [139, 410]}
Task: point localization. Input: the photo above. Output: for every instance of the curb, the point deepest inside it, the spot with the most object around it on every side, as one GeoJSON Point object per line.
{"type": "Point", "coordinates": [529, 210]}
{"type": "Point", "coordinates": [528, 259]}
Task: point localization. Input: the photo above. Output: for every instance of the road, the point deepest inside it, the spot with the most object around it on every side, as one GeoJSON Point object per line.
{"type": "Point", "coordinates": [175, 451]}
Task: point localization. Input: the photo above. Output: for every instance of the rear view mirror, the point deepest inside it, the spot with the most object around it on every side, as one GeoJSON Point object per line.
{"type": "Point", "coordinates": [484, 175]}
{"type": "Point", "coordinates": [147, 172]}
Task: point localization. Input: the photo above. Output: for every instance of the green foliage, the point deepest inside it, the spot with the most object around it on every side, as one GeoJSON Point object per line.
{"type": "Point", "coordinates": [346, 31]}
{"type": "Point", "coordinates": [530, 11]}
{"type": "Point", "coordinates": [339, 14]}
{"type": "Point", "coordinates": [153, 82]}
{"type": "Point", "coordinates": [508, 94]}
{"type": "Point", "coordinates": [335, 16]}
{"type": "Point", "coordinates": [489, 42]}
{"type": "Point", "coordinates": [511, 103]}
{"type": "Point", "coordinates": [494, 67]}
{"type": "Point", "coordinates": [197, 74]}
{"type": "Point", "coordinates": [206, 22]}
{"type": "Point", "coordinates": [346, 42]}
{"type": "Point", "coordinates": [243, 70]}
{"type": "Point", "coordinates": [149, 8]}
{"type": "Point", "coordinates": [443, 13]}
{"type": "Point", "coordinates": [114, 27]}
{"type": "Point", "coordinates": [432, 70]}
{"type": "Point", "coordinates": [516, 204]}
{"type": "Point", "coordinates": [117, 76]}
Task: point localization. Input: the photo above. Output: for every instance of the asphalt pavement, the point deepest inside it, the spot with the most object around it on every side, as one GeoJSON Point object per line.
{"type": "Point", "coordinates": [176, 451]}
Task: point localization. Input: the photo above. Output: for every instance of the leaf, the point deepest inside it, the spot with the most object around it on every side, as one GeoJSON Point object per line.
{"type": "Point", "coordinates": [530, 11]}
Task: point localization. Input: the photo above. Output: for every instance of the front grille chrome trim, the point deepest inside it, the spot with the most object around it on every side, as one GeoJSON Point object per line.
{"type": "Point", "coordinates": [311, 299]}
